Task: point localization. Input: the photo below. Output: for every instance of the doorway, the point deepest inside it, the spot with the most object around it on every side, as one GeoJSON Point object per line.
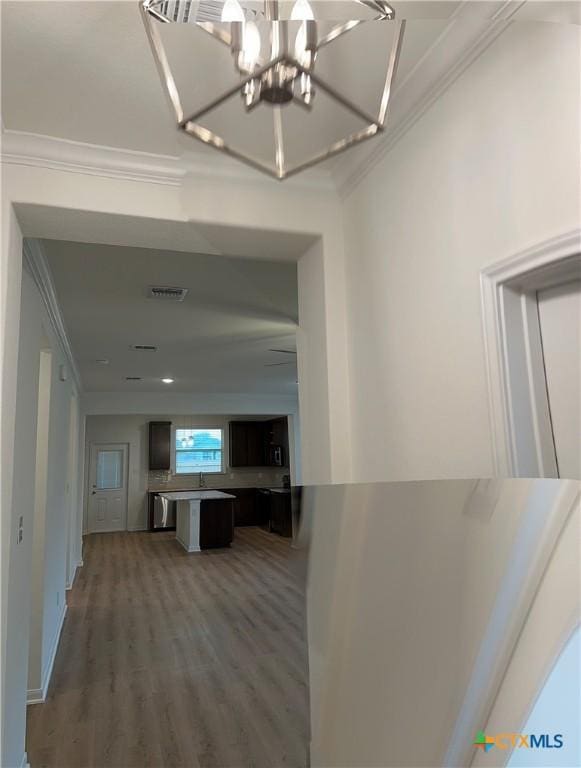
{"type": "Point", "coordinates": [518, 296]}
{"type": "Point", "coordinates": [108, 482]}
{"type": "Point", "coordinates": [560, 327]}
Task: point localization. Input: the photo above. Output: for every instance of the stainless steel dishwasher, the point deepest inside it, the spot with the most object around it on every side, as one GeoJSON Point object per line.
{"type": "Point", "coordinates": [164, 513]}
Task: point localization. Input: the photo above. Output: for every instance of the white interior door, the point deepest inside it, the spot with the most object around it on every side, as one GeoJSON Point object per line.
{"type": "Point", "coordinates": [560, 323]}
{"type": "Point", "coordinates": [108, 488]}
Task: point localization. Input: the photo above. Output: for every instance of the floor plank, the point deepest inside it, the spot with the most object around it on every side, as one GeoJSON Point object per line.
{"type": "Point", "coordinates": [169, 659]}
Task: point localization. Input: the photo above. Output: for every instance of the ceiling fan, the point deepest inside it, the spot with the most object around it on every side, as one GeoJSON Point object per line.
{"type": "Point", "coordinates": [282, 352]}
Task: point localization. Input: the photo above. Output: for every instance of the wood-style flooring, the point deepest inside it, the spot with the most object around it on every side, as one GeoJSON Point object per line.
{"type": "Point", "coordinates": [169, 659]}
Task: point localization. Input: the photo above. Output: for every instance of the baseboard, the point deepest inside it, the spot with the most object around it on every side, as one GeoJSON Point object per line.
{"type": "Point", "coordinates": [72, 581]}
{"type": "Point", "coordinates": [38, 695]}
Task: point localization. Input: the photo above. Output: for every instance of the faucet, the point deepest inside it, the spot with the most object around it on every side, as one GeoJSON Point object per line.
{"type": "Point", "coordinates": [202, 481]}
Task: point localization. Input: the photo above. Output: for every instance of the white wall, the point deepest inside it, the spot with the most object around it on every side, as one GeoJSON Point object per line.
{"type": "Point", "coordinates": [39, 521]}
{"type": "Point", "coordinates": [491, 169]}
{"type": "Point", "coordinates": [15, 556]}
{"type": "Point", "coordinates": [417, 595]}
{"type": "Point", "coordinates": [45, 585]}
{"type": "Point", "coordinates": [133, 430]}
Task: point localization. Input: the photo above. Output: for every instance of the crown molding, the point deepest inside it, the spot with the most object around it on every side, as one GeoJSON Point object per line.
{"type": "Point", "coordinates": [463, 53]}
{"type": "Point", "coordinates": [38, 266]}
{"type": "Point", "coordinates": [22, 148]}
{"type": "Point", "coordinates": [32, 149]}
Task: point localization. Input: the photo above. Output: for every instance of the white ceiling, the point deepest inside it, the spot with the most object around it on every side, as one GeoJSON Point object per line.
{"type": "Point", "coordinates": [83, 71]}
{"type": "Point", "coordinates": [217, 340]}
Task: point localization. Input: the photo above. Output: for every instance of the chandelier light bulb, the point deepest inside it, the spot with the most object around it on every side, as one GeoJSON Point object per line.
{"type": "Point", "coordinates": [232, 11]}
{"type": "Point", "coordinates": [302, 11]}
{"type": "Point", "coordinates": [302, 55]}
{"type": "Point", "coordinates": [251, 45]}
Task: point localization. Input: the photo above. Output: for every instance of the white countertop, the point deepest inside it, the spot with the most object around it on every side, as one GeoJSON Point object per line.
{"type": "Point", "coordinates": [195, 495]}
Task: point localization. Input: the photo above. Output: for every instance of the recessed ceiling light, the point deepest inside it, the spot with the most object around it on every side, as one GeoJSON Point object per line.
{"type": "Point", "coordinates": [167, 381]}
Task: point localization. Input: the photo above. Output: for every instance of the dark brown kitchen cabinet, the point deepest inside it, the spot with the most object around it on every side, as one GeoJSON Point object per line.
{"type": "Point", "coordinates": [277, 443]}
{"type": "Point", "coordinates": [248, 444]}
{"type": "Point", "coordinates": [216, 523]}
{"type": "Point", "coordinates": [281, 514]}
{"type": "Point", "coordinates": [160, 445]}
{"type": "Point", "coordinates": [247, 511]}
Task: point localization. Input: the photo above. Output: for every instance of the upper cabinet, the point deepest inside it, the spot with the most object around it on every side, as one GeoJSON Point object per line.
{"type": "Point", "coordinates": [259, 443]}
{"type": "Point", "coordinates": [160, 445]}
{"type": "Point", "coordinates": [248, 443]}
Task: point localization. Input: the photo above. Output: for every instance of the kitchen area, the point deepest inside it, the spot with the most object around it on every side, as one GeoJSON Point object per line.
{"type": "Point", "coordinates": [134, 462]}
{"type": "Point", "coordinates": [203, 507]}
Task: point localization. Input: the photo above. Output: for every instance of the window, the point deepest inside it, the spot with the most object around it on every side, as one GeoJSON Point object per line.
{"type": "Point", "coordinates": [109, 470]}
{"type": "Point", "coordinates": [199, 450]}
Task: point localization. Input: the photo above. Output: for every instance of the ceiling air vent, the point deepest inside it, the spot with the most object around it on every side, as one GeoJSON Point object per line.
{"type": "Point", "coordinates": [133, 378]}
{"type": "Point", "coordinates": [144, 347]}
{"type": "Point", "coordinates": [169, 293]}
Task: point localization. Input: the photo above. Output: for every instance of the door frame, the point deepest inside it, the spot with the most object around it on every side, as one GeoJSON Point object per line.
{"type": "Point", "coordinates": [94, 446]}
{"type": "Point", "coordinates": [520, 421]}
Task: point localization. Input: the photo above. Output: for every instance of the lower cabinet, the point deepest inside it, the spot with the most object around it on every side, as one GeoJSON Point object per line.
{"type": "Point", "coordinates": [258, 506]}
{"type": "Point", "coordinates": [281, 514]}
{"type": "Point", "coordinates": [246, 509]}
{"type": "Point", "coordinates": [216, 523]}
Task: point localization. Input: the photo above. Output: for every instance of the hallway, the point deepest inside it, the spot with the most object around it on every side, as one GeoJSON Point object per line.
{"type": "Point", "coordinates": [173, 660]}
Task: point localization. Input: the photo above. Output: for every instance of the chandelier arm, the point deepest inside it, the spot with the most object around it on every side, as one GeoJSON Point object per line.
{"type": "Point", "coordinates": [278, 142]}
{"type": "Point", "coordinates": [347, 103]}
{"type": "Point", "coordinates": [162, 64]}
{"type": "Point", "coordinates": [148, 8]}
{"type": "Point", "coordinates": [230, 92]}
{"type": "Point", "coordinates": [384, 9]}
{"type": "Point", "coordinates": [335, 149]}
{"type": "Point", "coordinates": [217, 32]}
{"type": "Point", "coordinates": [211, 139]}
{"type": "Point", "coordinates": [391, 70]}
{"type": "Point", "coordinates": [338, 31]}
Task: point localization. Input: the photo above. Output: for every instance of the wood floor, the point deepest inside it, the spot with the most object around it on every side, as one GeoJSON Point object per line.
{"type": "Point", "coordinates": [169, 659]}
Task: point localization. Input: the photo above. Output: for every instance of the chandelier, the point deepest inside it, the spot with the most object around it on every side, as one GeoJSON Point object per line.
{"type": "Point", "coordinates": [276, 68]}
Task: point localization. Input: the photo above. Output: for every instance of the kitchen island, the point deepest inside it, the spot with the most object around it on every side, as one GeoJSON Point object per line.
{"type": "Point", "coordinates": [204, 519]}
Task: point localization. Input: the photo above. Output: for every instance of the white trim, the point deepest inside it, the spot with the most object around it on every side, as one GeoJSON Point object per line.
{"type": "Point", "coordinates": [38, 695]}
{"type": "Point", "coordinates": [40, 271]}
{"type": "Point", "coordinates": [549, 507]}
{"type": "Point", "coordinates": [22, 148]}
{"type": "Point", "coordinates": [432, 91]}
{"type": "Point", "coordinates": [519, 420]}
{"type": "Point", "coordinates": [24, 762]}
{"type": "Point", "coordinates": [71, 581]}
{"type": "Point", "coordinates": [57, 154]}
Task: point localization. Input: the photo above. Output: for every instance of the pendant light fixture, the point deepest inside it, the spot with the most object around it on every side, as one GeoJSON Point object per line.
{"type": "Point", "coordinates": [281, 64]}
